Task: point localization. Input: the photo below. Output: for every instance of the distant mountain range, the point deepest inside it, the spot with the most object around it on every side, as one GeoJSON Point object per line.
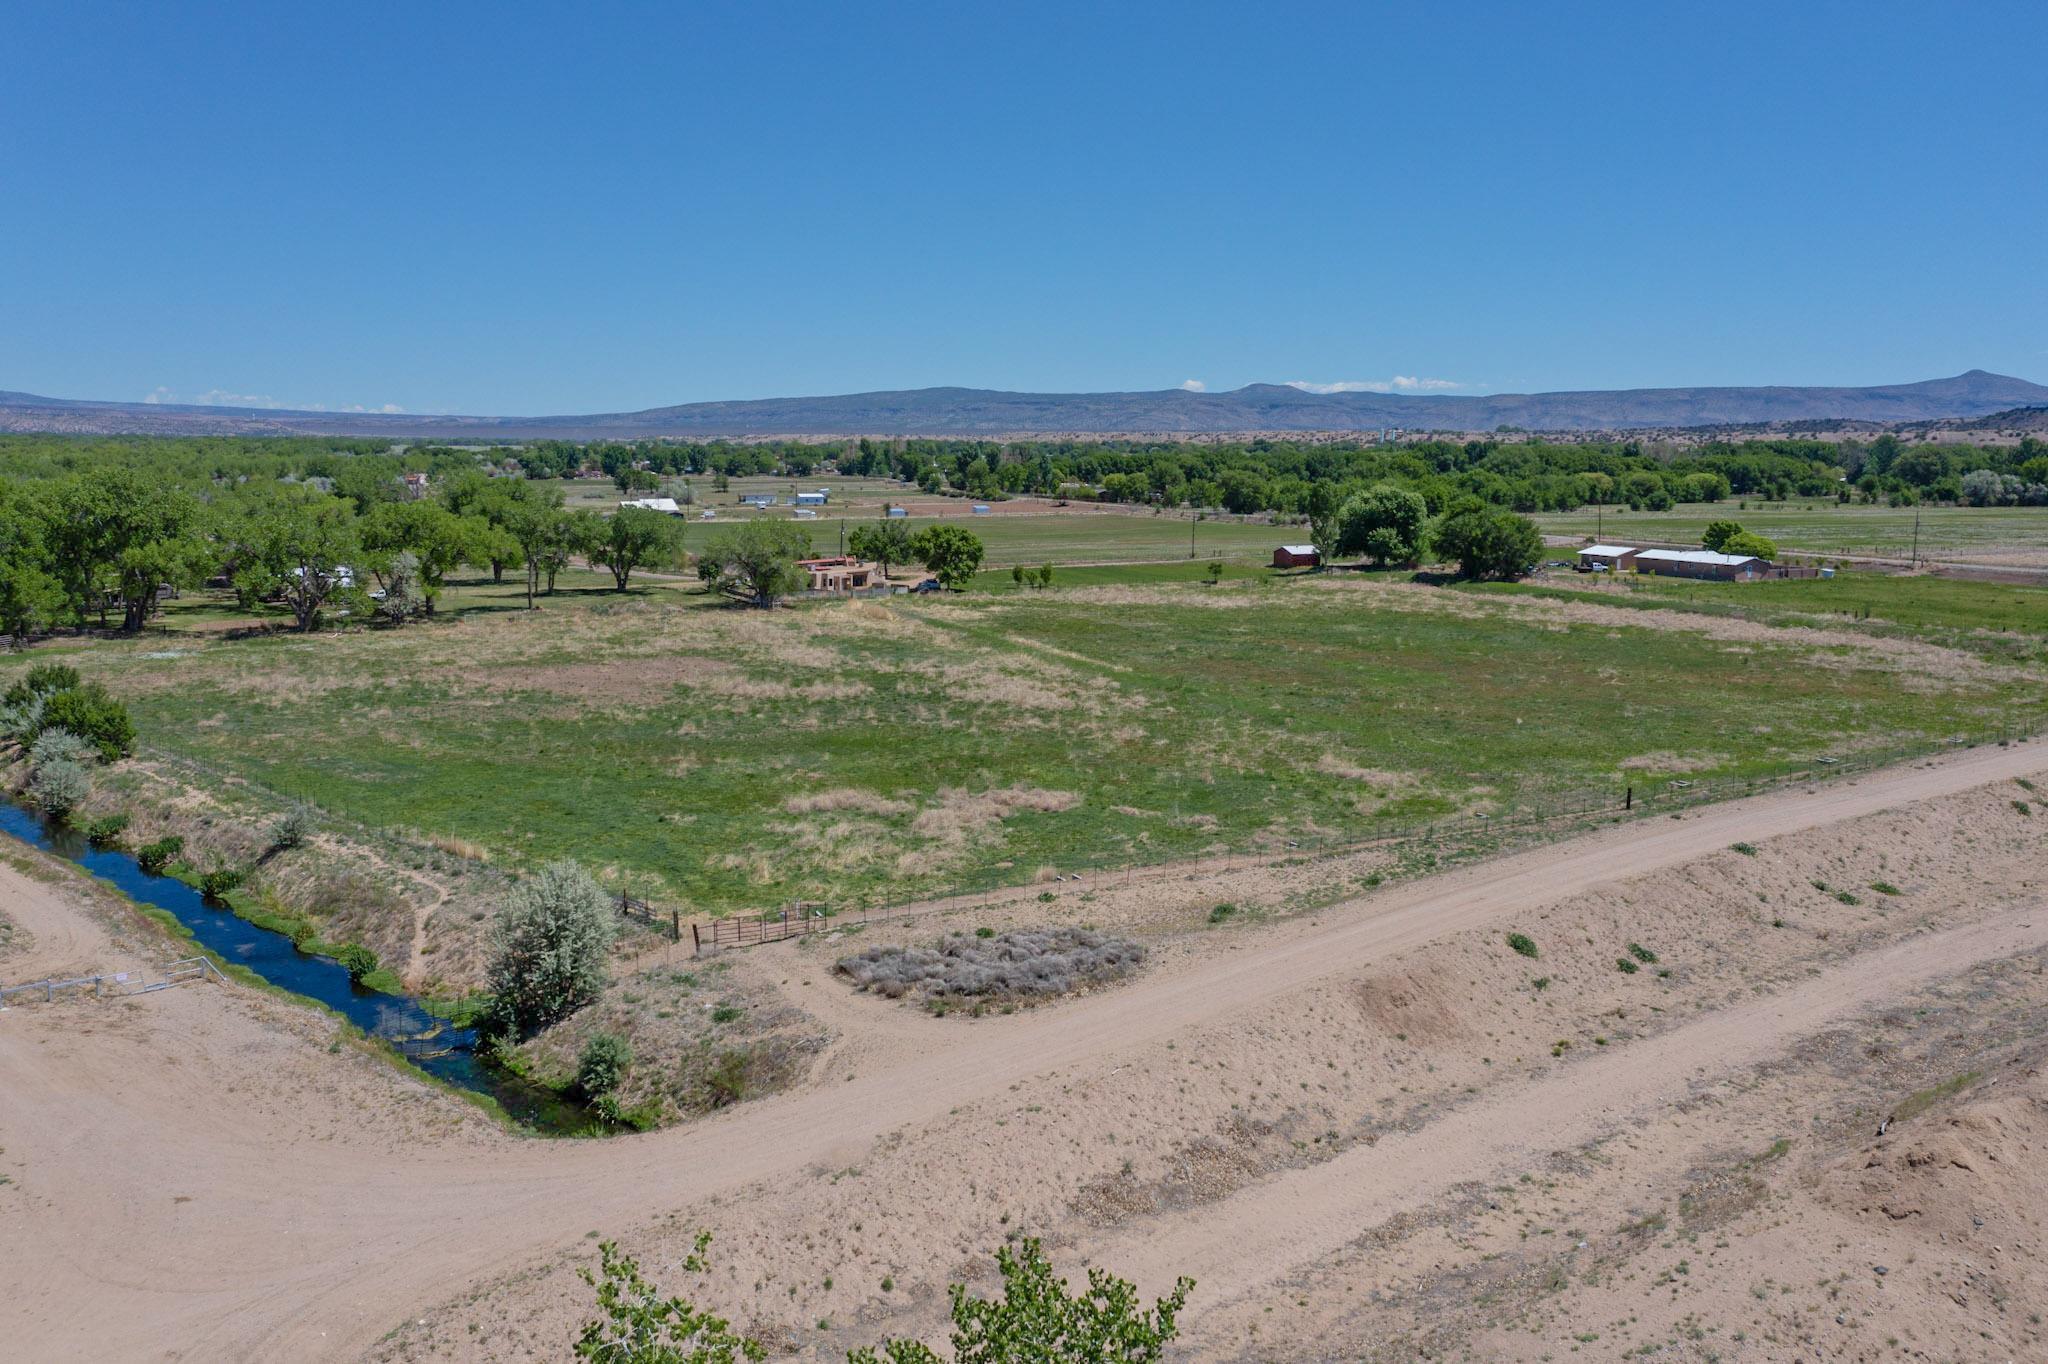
{"type": "Point", "coordinates": [988, 412]}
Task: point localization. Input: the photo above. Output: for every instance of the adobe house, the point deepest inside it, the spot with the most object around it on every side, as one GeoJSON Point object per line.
{"type": "Point", "coordinates": [1701, 563]}
{"type": "Point", "coordinates": [840, 573]}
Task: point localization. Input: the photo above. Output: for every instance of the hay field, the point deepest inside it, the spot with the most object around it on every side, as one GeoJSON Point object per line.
{"type": "Point", "coordinates": [871, 751]}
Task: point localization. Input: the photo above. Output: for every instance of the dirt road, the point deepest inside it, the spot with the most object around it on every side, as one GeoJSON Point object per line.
{"type": "Point", "coordinates": [304, 1245]}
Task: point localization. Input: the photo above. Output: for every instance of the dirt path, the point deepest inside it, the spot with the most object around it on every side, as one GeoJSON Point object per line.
{"type": "Point", "coordinates": [1264, 1232]}
{"type": "Point", "coordinates": [304, 1250]}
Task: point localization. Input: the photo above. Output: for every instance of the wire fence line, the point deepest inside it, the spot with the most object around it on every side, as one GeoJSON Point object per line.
{"type": "Point", "coordinates": [1641, 798]}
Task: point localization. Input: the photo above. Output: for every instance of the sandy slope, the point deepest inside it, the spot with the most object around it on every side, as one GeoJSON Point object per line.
{"type": "Point", "coordinates": [202, 1181]}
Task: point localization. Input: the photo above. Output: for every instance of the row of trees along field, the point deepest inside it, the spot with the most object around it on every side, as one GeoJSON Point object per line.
{"type": "Point", "coordinates": [97, 545]}
{"type": "Point", "coordinates": [1523, 474]}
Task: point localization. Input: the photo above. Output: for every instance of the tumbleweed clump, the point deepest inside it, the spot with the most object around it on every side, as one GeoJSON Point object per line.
{"type": "Point", "coordinates": [1039, 963]}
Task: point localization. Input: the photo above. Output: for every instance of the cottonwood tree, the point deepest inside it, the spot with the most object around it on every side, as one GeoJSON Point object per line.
{"type": "Point", "coordinates": [551, 940]}
{"type": "Point", "coordinates": [952, 555]}
{"type": "Point", "coordinates": [634, 537]}
{"type": "Point", "coordinates": [115, 537]}
{"type": "Point", "coordinates": [1384, 523]}
{"type": "Point", "coordinates": [545, 534]}
{"type": "Point", "coordinates": [300, 546]}
{"type": "Point", "coordinates": [438, 539]}
{"type": "Point", "coordinates": [1488, 542]}
{"type": "Point", "coordinates": [756, 561]}
{"type": "Point", "coordinates": [886, 542]}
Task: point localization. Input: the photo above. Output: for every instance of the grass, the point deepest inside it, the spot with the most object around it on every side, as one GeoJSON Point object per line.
{"type": "Point", "coordinates": [1913, 1105]}
{"type": "Point", "coordinates": [942, 745]}
{"type": "Point", "coordinates": [1995, 619]}
{"type": "Point", "coordinates": [1987, 534]}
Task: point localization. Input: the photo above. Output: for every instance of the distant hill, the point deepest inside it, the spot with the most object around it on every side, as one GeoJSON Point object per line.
{"type": "Point", "coordinates": [985, 412]}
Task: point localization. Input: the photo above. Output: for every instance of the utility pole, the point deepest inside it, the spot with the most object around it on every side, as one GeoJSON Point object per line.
{"type": "Point", "coordinates": [1916, 535]}
{"type": "Point", "coordinates": [1192, 518]}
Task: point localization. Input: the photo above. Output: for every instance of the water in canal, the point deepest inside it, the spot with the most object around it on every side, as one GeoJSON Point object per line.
{"type": "Point", "coordinates": [272, 956]}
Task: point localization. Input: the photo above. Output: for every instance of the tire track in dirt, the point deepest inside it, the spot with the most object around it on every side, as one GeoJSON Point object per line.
{"type": "Point", "coordinates": [1260, 1234]}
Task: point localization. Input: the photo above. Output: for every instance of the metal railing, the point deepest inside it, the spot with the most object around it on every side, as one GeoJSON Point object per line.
{"type": "Point", "coordinates": [117, 983]}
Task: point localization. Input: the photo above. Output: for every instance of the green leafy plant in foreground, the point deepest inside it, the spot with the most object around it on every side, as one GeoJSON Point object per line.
{"type": "Point", "coordinates": [636, 1325]}
{"type": "Point", "coordinates": [1524, 944]}
{"type": "Point", "coordinates": [154, 857]}
{"type": "Point", "coordinates": [1036, 1319]}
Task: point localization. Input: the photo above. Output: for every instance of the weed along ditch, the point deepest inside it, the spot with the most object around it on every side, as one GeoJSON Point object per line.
{"type": "Point", "coordinates": [431, 1044]}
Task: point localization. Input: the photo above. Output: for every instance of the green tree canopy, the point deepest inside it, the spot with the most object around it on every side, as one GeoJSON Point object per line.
{"type": "Point", "coordinates": [1384, 523]}
{"type": "Point", "coordinates": [630, 538]}
{"type": "Point", "coordinates": [1718, 533]}
{"type": "Point", "coordinates": [952, 555]}
{"type": "Point", "coordinates": [1488, 542]}
{"type": "Point", "coordinates": [1749, 543]}
{"type": "Point", "coordinates": [886, 542]}
{"type": "Point", "coordinates": [301, 546]}
{"type": "Point", "coordinates": [756, 561]}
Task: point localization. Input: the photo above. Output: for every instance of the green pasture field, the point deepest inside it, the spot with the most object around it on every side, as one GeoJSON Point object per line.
{"type": "Point", "coordinates": [1983, 534]}
{"type": "Point", "coordinates": [867, 751]}
{"type": "Point", "coordinates": [1999, 617]}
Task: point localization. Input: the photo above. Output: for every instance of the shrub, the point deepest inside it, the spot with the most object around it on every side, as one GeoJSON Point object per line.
{"type": "Point", "coordinates": [293, 827]}
{"type": "Point", "coordinates": [2023, 807]}
{"type": "Point", "coordinates": [1625, 966]}
{"type": "Point", "coordinates": [90, 713]}
{"type": "Point", "coordinates": [1884, 888]}
{"type": "Point", "coordinates": [636, 1325]}
{"type": "Point", "coordinates": [56, 787]}
{"type": "Point", "coordinates": [1641, 953]}
{"type": "Point", "coordinates": [1524, 944]}
{"type": "Point", "coordinates": [727, 1013]}
{"type": "Point", "coordinates": [1038, 1319]}
{"type": "Point", "coordinates": [603, 1064]}
{"type": "Point", "coordinates": [1223, 912]}
{"type": "Point", "coordinates": [106, 830]}
{"type": "Point", "coordinates": [357, 960]}
{"type": "Point", "coordinates": [1746, 849]}
{"type": "Point", "coordinates": [1046, 962]}
{"type": "Point", "coordinates": [41, 680]}
{"type": "Point", "coordinates": [726, 1081]}
{"type": "Point", "coordinates": [1541, 982]}
{"type": "Point", "coordinates": [1848, 897]}
{"type": "Point", "coordinates": [60, 745]}
{"type": "Point", "coordinates": [552, 937]}
{"type": "Point", "coordinates": [154, 857]}
{"type": "Point", "coordinates": [217, 882]}
{"type": "Point", "coordinates": [22, 720]}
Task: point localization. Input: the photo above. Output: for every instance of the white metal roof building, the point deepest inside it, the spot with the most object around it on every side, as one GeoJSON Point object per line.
{"type": "Point", "coordinates": [660, 504]}
{"type": "Point", "coordinates": [1698, 563]}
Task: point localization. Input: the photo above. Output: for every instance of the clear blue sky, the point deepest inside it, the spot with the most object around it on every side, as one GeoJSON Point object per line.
{"type": "Point", "coordinates": [564, 208]}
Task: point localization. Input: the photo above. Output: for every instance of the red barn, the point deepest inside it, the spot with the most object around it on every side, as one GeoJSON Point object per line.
{"type": "Point", "coordinates": [1297, 556]}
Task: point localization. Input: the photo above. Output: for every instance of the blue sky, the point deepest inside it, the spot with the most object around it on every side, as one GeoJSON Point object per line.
{"type": "Point", "coordinates": [509, 208]}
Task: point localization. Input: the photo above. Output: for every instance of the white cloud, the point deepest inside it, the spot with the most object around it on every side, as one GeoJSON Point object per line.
{"type": "Point", "coordinates": [160, 394]}
{"type": "Point", "coordinates": [1400, 383]}
{"type": "Point", "coordinates": [219, 397]}
{"type": "Point", "coordinates": [1194, 386]}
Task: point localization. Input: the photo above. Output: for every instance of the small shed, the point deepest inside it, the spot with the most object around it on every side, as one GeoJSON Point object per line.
{"type": "Point", "coordinates": [1700, 563]}
{"type": "Point", "coordinates": [981, 509]}
{"type": "Point", "coordinates": [1607, 558]}
{"type": "Point", "coordinates": [898, 511]}
{"type": "Point", "coordinates": [1297, 556]}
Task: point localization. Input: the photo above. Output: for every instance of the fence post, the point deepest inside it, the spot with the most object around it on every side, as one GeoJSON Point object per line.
{"type": "Point", "coordinates": [675, 925]}
{"type": "Point", "coordinates": [697, 939]}
{"type": "Point", "coordinates": [1628, 801]}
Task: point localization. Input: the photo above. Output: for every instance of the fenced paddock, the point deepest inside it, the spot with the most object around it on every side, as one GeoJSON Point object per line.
{"type": "Point", "coordinates": [116, 983]}
{"type": "Point", "coordinates": [1494, 831]}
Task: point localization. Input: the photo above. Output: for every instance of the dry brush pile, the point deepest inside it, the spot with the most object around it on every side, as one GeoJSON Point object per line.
{"type": "Point", "coordinates": [1025, 964]}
